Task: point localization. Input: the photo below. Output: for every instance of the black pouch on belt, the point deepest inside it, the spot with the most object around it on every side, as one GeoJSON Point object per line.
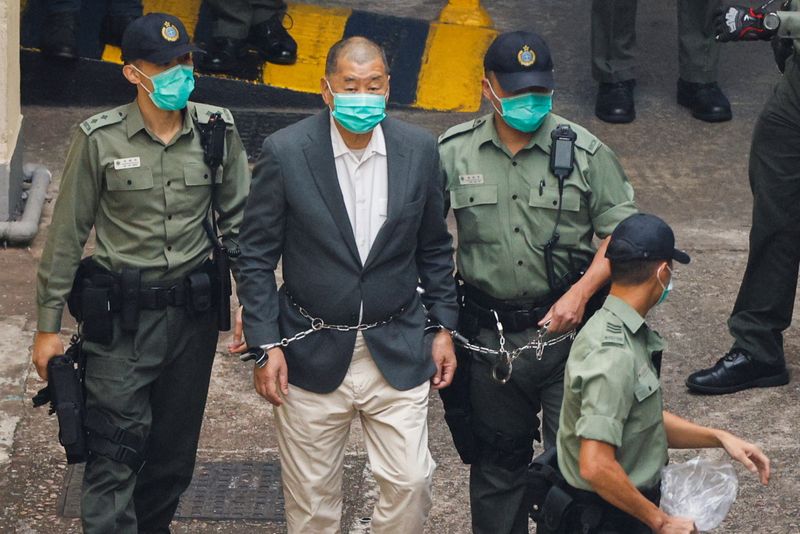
{"type": "Point", "coordinates": [555, 512]}
{"type": "Point", "coordinates": [199, 293]}
{"type": "Point", "coordinates": [130, 284]}
{"type": "Point", "coordinates": [97, 323]}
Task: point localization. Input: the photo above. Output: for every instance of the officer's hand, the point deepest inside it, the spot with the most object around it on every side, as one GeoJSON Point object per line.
{"type": "Point", "coordinates": [238, 344]}
{"type": "Point", "coordinates": [272, 377]}
{"type": "Point", "coordinates": [45, 346]}
{"type": "Point", "coordinates": [566, 313]}
{"type": "Point", "coordinates": [677, 525]}
{"type": "Point", "coordinates": [444, 356]}
{"type": "Point", "coordinates": [740, 23]}
{"type": "Point", "coordinates": [747, 453]}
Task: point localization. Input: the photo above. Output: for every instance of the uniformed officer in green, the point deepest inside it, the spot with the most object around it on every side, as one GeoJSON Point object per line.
{"type": "Point", "coordinates": [765, 303]}
{"type": "Point", "coordinates": [525, 252]}
{"type": "Point", "coordinates": [136, 174]}
{"type": "Point", "coordinates": [614, 432]}
{"type": "Point", "coordinates": [613, 60]}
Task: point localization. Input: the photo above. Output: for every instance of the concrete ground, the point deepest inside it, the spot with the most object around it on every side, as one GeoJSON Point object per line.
{"type": "Point", "coordinates": [691, 173]}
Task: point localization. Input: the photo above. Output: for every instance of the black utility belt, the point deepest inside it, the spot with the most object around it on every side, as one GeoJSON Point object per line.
{"type": "Point", "coordinates": [480, 308]}
{"type": "Point", "coordinates": [652, 494]}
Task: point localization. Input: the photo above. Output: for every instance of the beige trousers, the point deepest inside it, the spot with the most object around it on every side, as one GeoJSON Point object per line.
{"type": "Point", "coordinates": [312, 435]}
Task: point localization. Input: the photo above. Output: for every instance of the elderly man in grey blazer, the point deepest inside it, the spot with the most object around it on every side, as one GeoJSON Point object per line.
{"type": "Point", "coordinates": [352, 203]}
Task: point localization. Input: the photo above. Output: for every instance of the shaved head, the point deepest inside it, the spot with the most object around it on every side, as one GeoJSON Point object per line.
{"type": "Point", "coordinates": [359, 50]}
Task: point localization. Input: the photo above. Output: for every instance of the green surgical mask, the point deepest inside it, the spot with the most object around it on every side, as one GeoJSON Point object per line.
{"type": "Point", "coordinates": [358, 112]}
{"type": "Point", "coordinates": [524, 112]}
{"type": "Point", "coordinates": [171, 88]}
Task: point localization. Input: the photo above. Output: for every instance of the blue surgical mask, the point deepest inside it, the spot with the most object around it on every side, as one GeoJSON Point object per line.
{"type": "Point", "coordinates": [358, 112]}
{"type": "Point", "coordinates": [171, 88]}
{"type": "Point", "coordinates": [524, 112]}
{"type": "Point", "coordinates": [665, 289]}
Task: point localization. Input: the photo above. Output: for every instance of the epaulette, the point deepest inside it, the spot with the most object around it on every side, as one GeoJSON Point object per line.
{"type": "Point", "coordinates": [586, 141]}
{"type": "Point", "coordinates": [458, 129]}
{"type": "Point", "coordinates": [204, 111]}
{"type": "Point", "coordinates": [95, 122]}
{"type": "Point", "coordinates": [614, 334]}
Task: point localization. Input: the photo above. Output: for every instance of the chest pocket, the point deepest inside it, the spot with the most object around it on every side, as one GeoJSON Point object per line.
{"type": "Point", "coordinates": [546, 206]}
{"type": "Point", "coordinates": [475, 208]}
{"type": "Point", "coordinates": [195, 174]}
{"type": "Point", "coordinates": [137, 179]}
{"type": "Point", "coordinates": [647, 409]}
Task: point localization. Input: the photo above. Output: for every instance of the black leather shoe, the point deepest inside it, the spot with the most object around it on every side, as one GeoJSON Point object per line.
{"type": "Point", "coordinates": [706, 101]}
{"type": "Point", "coordinates": [615, 102]}
{"type": "Point", "coordinates": [271, 40]}
{"type": "Point", "coordinates": [734, 372]}
{"type": "Point", "coordinates": [222, 55]}
{"type": "Point", "coordinates": [58, 36]}
{"type": "Point", "coordinates": [113, 28]}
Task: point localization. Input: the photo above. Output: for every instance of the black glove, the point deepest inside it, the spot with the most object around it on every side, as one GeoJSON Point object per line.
{"type": "Point", "coordinates": [740, 23]}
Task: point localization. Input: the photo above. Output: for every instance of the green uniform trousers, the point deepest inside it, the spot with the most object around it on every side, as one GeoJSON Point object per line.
{"type": "Point", "coordinates": [233, 18]}
{"type": "Point", "coordinates": [614, 40]}
{"type": "Point", "coordinates": [764, 307]}
{"type": "Point", "coordinates": [505, 421]}
{"type": "Point", "coordinates": [154, 383]}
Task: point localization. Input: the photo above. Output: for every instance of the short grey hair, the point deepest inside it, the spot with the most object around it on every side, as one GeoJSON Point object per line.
{"type": "Point", "coordinates": [358, 49]}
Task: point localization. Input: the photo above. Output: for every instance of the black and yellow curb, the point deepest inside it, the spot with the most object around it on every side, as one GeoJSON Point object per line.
{"type": "Point", "coordinates": [434, 65]}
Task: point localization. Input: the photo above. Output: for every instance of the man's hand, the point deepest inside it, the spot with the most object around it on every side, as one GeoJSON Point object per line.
{"type": "Point", "coordinates": [747, 453]}
{"type": "Point", "coordinates": [45, 346]}
{"type": "Point", "coordinates": [677, 525]}
{"type": "Point", "coordinates": [444, 356]}
{"type": "Point", "coordinates": [238, 344]}
{"type": "Point", "coordinates": [740, 23]}
{"type": "Point", "coordinates": [567, 312]}
{"type": "Point", "coordinates": [272, 380]}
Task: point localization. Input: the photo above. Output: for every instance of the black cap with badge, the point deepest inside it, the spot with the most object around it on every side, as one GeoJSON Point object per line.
{"type": "Point", "coordinates": [156, 38]}
{"type": "Point", "coordinates": [644, 237]}
{"type": "Point", "coordinates": [519, 60]}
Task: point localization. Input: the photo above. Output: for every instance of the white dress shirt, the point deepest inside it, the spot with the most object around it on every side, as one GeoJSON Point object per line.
{"type": "Point", "coordinates": [364, 181]}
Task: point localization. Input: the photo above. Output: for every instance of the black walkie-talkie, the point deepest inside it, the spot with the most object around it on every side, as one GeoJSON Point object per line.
{"type": "Point", "coordinates": [562, 159]}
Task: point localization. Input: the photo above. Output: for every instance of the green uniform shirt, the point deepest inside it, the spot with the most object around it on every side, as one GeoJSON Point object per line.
{"type": "Point", "coordinates": [146, 201]}
{"type": "Point", "coordinates": [612, 394]}
{"type": "Point", "coordinates": [506, 206]}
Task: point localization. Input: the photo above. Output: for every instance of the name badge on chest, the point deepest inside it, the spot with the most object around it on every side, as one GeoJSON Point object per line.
{"type": "Point", "coordinates": [127, 163]}
{"type": "Point", "coordinates": [470, 179]}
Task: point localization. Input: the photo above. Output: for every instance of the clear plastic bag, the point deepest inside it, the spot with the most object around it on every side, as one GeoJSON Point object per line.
{"type": "Point", "coordinates": [701, 489]}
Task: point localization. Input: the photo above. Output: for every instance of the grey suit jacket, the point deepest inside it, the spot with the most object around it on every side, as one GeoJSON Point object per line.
{"type": "Point", "coordinates": [296, 212]}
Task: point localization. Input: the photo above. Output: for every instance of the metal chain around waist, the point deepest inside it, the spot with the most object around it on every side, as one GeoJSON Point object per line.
{"type": "Point", "coordinates": [502, 369]}
{"type": "Point", "coordinates": [319, 324]}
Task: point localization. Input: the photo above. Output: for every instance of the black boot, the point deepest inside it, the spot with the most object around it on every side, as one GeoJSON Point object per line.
{"type": "Point", "coordinates": [615, 102]}
{"type": "Point", "coordinates": [222, 55]}
{"type": "Point", "coordinates": [736, 371]}
{"type": "Point", "coordinates": [113, 28]}
{"type": "Point", "coordinates": [273, 42]}
{"type": "Point", "coordinates": [706, 101]}
{"type": "Point", "coordinates": [58, 36]}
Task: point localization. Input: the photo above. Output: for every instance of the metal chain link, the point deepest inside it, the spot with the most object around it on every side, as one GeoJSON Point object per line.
{"type": "Point", "coordinates": [502, 369]}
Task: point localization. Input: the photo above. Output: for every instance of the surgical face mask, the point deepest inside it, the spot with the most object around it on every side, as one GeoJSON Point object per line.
{"type": "Point", "coordinates": [171, 88]}
{"type": "Point", "coordinates": [524, 112]}
{"type": "Point", "coordinates": [358, 112]}
{"type": "Point", "coordinates": [664, 289]}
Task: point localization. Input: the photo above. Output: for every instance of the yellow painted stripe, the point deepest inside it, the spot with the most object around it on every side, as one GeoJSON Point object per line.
{"type": "Point", "coordinates": [452, 67]}
{"type": "Point", "coordinates": [315, 29]}
{"type": "Point", "coordinates": [112, 54]}
{"type": "Point", "coordinates": [467, 13]}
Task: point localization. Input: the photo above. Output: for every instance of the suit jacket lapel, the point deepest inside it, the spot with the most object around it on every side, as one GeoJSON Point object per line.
{"type": "Point", "coordinates": [397, 162]}
{"type": "Point", "coordinates": [319, 157]}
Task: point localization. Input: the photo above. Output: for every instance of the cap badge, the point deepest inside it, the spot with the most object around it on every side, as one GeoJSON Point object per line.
{"type": "Point", "coordinates": [170, 32]}
{"type": "Point", "coordinates": [526, 56]}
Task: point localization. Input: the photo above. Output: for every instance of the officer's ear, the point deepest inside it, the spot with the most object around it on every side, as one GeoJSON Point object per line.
{"type": "Point", "coordinates": [132, 74]}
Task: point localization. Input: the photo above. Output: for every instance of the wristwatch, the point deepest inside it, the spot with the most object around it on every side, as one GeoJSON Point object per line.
{"type": "Point", "coordinates": [771, 21]}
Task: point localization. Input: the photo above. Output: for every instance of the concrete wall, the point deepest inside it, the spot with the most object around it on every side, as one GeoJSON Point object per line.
{"type": "Point", "coordinates": [10, 113]}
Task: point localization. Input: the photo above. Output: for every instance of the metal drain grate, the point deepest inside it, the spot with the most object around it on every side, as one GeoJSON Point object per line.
{"type": "Point", "coordinates": [246, 490]}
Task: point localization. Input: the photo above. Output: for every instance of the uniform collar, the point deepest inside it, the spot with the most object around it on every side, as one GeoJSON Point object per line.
{"type": "Point", "coordinates": [541, 137]}
{"type": "Point", "coordinates": [135, 121]}
{"type": "Point", "coordinates": [630, 317]}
